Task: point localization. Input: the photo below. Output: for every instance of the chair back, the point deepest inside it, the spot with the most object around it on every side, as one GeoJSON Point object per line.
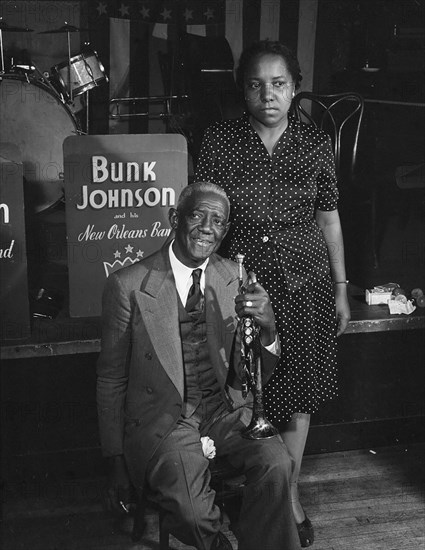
{"type": "Point", "coordinates": [339, 115]}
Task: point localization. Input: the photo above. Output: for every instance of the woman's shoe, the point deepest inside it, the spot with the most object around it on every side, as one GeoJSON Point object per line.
{"type": "Point", "coordinates": [305, 532]}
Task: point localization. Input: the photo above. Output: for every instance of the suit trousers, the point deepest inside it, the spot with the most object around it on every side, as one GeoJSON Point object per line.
{"type": "Point", "coordinates": [178, 475]}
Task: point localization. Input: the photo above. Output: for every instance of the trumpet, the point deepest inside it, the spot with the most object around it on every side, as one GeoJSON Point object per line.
{"type": "Point", "coordinates": [250, 366]}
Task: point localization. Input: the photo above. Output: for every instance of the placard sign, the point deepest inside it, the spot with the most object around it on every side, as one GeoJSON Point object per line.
{"type": "Point", "coordinates": [118, 191]}
{"type": "Point", "coordinates": [14, 302]}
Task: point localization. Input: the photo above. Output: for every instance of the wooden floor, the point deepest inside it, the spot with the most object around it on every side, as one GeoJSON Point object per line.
{"type": "Point", "coordinates": [358, 500]}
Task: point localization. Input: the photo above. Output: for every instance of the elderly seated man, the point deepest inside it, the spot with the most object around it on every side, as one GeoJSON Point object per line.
{"type": "Point", "coordinates": [169, 373]}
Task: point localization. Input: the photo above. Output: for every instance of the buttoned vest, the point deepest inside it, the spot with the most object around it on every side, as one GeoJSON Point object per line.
{"type": "Point", "coordinates": [200, 382]}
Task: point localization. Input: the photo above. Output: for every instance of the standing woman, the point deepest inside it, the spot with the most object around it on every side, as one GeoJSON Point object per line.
{"type": "Point", "coordinates": [280, 177]}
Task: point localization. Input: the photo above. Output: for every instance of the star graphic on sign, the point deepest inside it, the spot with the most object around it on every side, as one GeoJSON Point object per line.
{"type": "Point", "coordinates": [188, 14]}
{"type": "Point", "coordinates": [166, 14]}
{"type": "Point", "coordinates": [209, 14]}
{"type": "Point", "coordinates": [140, 253]}
{"type": "Point", "coordinates": [101, 8]}
{"type": "Point", "coordinates": [145, 12]}
{"type": "Point", "coordinates": [124, 10]}
{"type": "Point", "coordinates": [129, 249]}
{"type": "Point", "coordinates": [117, 254]}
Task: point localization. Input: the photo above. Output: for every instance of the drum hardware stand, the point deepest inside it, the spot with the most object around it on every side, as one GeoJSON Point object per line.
{"type": "Point", "coordinates": [68, 34]}
{"type": "Point", "coordinates": [7, 28]}
{"type": "Point", "coordinates": [47, 82]}
{"type": "Point", "coordinates": [24, 70]}
{"type": "Point", "coordinates": [68, 29]}
{"type": "Point", "coordinates": [90, 73]}
{"type": "Point", "coordinates": [87, 112]}
{"type": "Point", "coordinates": [68, 96]}
{"type": "Point", "coordinates": [1, 49]}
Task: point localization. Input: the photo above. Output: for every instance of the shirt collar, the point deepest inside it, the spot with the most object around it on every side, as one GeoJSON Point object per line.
{"type": "Point", "coordinates": [183, 274]}
{"type": "Point", "coordinates": [248, 128]}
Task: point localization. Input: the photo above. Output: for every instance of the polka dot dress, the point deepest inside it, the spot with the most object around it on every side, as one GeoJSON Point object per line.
{"type": "Point", "coordinates": [273, 201]}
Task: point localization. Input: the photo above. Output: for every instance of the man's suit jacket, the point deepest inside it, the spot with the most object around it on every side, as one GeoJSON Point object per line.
{"type": "Point", "coordinates": [140, 383]}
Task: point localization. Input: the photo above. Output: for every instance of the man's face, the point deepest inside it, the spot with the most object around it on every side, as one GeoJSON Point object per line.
{"type": "Point", "coordinates": [200, 227]}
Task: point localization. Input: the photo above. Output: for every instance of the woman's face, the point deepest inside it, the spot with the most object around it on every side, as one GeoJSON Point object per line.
{"type": "Point", "coordinates": [268, 89]}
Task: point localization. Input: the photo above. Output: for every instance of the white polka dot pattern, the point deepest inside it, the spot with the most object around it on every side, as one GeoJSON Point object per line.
{"type": "Point", "coordinates": [273, 201]}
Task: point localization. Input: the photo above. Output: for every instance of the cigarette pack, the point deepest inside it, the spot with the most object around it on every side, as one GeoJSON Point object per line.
{"type": "Point", "coordinates": [380, 294]}
{"type": "Point", "coordinates": [374, 298]}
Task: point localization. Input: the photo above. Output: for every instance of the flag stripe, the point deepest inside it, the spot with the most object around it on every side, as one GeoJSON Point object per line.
{"type": "Point", "coordinates": [99, 95]}
{"type": "Point", "coordinates": [288, 23]}
{"type": "Point", "coordinates": [250, 23]}
{"type": "Point", "coordinates": [119, 80]}
{"type": "Point", "coordinates": [157, 87]}
{"type": "Point", "coordinates": [160, 30]}
{"type": "Point", "coordinates": [306, 43]}
{"type": "Point", "coordinates": [129, 35]}
{"type": "Point", "coordinates": [139, 75]}
{"type": "Point", "coordinates": [269, 21]}
{"type": "Point", "coordinates": [199, 30]}
{"type": "Point", "coordinates": [233, 27]}
{"type": "Point", "coordinates": [119, 47]}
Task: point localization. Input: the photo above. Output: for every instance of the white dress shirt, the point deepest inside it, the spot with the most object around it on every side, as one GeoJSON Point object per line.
{"type": "Point", "coordinates": [183, 275]}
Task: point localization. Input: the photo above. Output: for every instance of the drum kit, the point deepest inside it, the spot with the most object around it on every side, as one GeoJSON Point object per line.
{"type": "Point", "coordinates": [36, 113]}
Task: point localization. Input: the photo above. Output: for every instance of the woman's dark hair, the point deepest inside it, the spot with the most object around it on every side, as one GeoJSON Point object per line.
{"type": "Point", "coordinates": [264, 47]}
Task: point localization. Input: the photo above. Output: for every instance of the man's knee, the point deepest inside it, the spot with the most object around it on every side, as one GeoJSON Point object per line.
{"type": "Point", "coordinates": [286, 463]}
{"type": "Point", "coordinates": [278, 464]}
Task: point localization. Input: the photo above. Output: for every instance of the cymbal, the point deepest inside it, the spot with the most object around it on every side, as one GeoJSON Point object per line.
{"type": "Point", "coordinates": [64, 28]}
{"type": "Point", "coordinates": [9, 28]}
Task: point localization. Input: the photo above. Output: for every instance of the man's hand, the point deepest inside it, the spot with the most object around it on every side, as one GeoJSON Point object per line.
{"type": "Point", "coordinates": [119, 486]}
{"type": "Point", "coordinates": [255, 302]}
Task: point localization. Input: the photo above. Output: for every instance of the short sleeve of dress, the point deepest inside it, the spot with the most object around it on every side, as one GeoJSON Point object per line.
{"type": "Point", "coordinates": [205, 164]}
{"type": "Point", "coordinates": [327, 190]}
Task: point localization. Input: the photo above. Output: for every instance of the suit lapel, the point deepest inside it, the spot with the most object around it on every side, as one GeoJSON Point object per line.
{"type": "Point", "coordinates": [157, 300]}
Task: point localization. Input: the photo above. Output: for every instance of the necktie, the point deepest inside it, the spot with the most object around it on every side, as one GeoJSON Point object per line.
{"type": "Point", "coordinates": [194, 297]}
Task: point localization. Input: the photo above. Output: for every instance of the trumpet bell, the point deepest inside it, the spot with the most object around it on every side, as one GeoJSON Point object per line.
{"type": "Point", "coordinates": [260, 429]}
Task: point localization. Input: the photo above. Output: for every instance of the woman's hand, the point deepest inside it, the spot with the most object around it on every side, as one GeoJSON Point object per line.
{"type": "Point", "coordinates": [343, 314]}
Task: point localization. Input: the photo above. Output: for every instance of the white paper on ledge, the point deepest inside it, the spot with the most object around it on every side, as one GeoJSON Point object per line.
{"type": "Point", "coordinates": [397, 307]}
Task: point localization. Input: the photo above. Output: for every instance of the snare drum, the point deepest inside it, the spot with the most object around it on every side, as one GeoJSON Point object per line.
{"type": "Point", "coordinates": [86, 72]}
{"type": "Point", "coordinates": [37, 121]}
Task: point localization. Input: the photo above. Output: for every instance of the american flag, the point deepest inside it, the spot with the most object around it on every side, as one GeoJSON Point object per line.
{"type": "Point", "coordinates": [130, 35]}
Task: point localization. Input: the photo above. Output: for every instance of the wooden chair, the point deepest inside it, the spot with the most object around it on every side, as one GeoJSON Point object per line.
{"type": "Point", "coordinates": [341, 115]}
{"type": "Point", "coordinates": [225, 480]}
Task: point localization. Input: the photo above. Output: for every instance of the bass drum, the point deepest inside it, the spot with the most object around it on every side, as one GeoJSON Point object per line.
{"type": "Point", "coordinates": [37, 121]}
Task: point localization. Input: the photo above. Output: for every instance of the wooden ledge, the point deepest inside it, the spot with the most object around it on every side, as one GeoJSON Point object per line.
{"type": "Point", "coordinates": [66, 336]}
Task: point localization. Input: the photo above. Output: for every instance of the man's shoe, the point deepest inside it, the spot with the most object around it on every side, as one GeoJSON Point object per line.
{"type": "Point", "coordinates": [305, 532]}
{"type": "Point", "coordinates": [221, 542]}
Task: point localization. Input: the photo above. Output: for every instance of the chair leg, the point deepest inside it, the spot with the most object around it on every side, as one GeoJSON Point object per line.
{"type": "Point", "coordinates": [139, 524]}
{"type": "Point", "coordinates": [375, 243]}
{"type": "Point", "coordinates": [164, 535]}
